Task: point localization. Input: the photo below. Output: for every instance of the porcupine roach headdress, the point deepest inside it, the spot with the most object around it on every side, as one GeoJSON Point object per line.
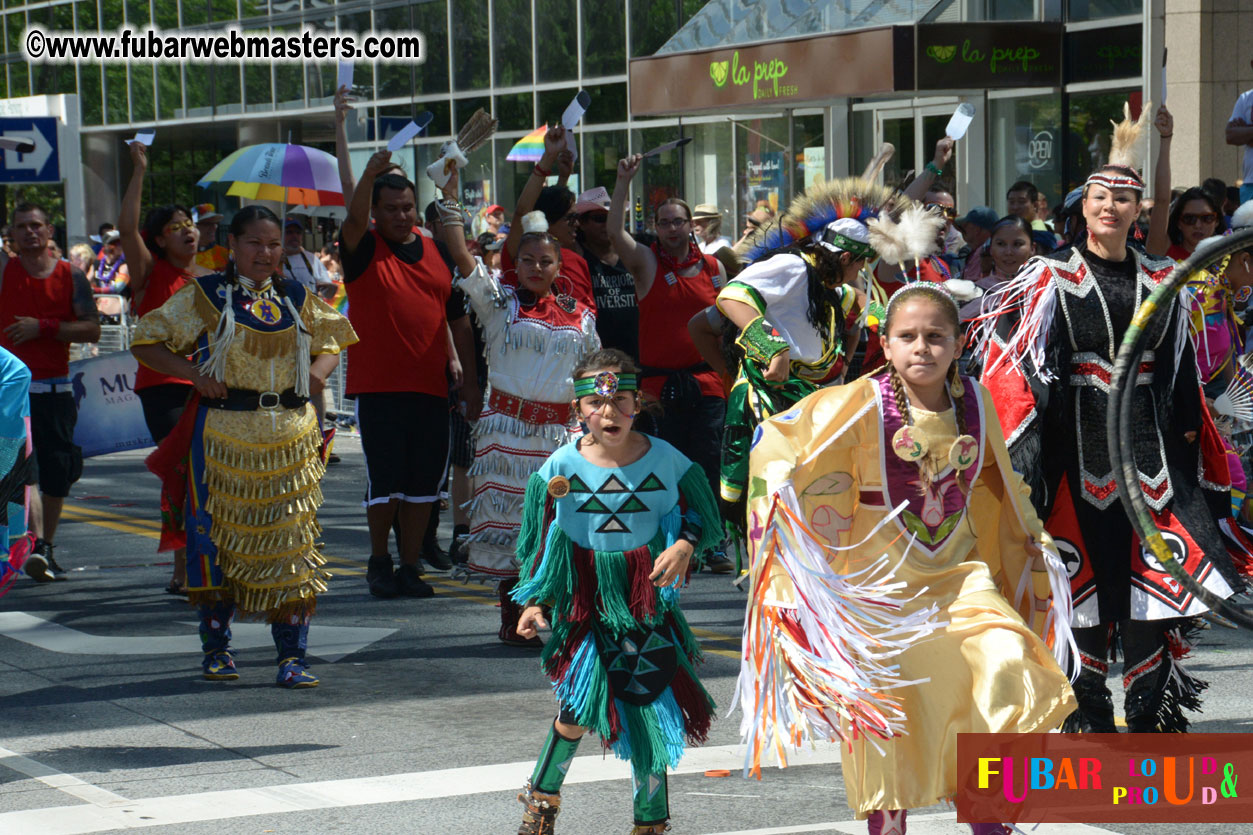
{"type": "Point", "coordinates": [899, 229]}
{"type": "Point", "coordinates": [1125, 150]}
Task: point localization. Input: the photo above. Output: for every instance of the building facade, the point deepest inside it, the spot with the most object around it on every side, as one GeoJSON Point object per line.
{"type": "Point", "coordinates": [1042, 110]}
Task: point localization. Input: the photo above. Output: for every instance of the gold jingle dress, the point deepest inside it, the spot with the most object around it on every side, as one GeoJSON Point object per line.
{"type": "Point", "coordinates": [889, 618]}
{"type": "Point", "coordinates": [253, 476]}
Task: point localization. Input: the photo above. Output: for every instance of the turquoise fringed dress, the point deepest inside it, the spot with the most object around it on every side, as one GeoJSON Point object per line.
{"type": "Point", "coordinates": [621, 656]}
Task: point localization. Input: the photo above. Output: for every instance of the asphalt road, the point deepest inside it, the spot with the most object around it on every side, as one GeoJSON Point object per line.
{"type": "Point", "coordinates": [423, 722]}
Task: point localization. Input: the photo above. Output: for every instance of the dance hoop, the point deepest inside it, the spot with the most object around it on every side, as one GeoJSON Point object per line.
{"type": "Point", "coordinates": [1118, 420]}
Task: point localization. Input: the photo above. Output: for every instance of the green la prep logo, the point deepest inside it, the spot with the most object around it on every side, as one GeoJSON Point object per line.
{"type": "Point", "coordinates": [764, 76]}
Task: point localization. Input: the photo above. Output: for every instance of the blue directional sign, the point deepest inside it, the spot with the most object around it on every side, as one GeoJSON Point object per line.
{"type": "Point", "coordinates": [41, 165]}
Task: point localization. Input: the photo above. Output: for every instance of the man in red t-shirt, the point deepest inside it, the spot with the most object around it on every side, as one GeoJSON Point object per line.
{"type": "Point", "coordinates": [674, 281]}
{"type": "Point", "coordinates": [45, 304]}
{"type": "Point", "coordinates": [400, 301]}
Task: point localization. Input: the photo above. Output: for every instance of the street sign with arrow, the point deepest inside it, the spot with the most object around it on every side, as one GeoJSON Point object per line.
{"type": "Point", "coordinates": [22, 163]}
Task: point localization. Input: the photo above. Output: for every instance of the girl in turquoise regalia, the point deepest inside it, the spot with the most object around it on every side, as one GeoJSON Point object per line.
{"type": "Point", "coordinates": [611, 524]}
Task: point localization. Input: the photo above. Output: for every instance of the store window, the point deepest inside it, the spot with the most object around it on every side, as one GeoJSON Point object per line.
{"type": "Point", "coordinates": [515, 111]}
{"type": "Point", "coordinates": [511, 34]}
{"type": "Point", "coordinates": [552, 103]}
{"type": "Point", "coordinates": [809, 151]}
{"type": "Point", "coordinates": [602, 150]}
{"type": "Point", "coordinates": [143, 99]}
{"type": "Point", "coordinates": [609, 104]}
{"type": "Point", "coordinates": [195, 12]}
{"type": "Point", "coordinates": [362, 70]}
{"type": "Point", "coordinates": [604, 38]}
{"type": "Point", "coordinates": [227, 92]}
{"type": "Point", "coordinates": [762, 170]}
{"type": "Point", "coordinates": [170, 91]}
{"type": "Point", "coordinates": [469, 44]}
{"type": "Point", "coordinates": [1090, 132]}
{"type": "Point", "coordinates": [199, 90]}
{"type": "Point", "coordinates": [431, 19]}
{"type": "Point", "coordinates": [1025, 142]}
{"type": "Point", "coordinates": [863, 142]}
{"type": "Point", "coordinates": [710, 176]}
{"type": "Point", "coordinates": [90, 95]}
{"type": "Point", "coordinates": [394, 79]}
{"type": "Point", "coordinates": [1097, 9]}
{"type": "Point", "coordinates": [1002, 10]}
{"type": "Point", "coordinates": [556, 47]}
{"type": "Point", "coordinates": [657, 178]}
{"type": "Point", "coordinates": [653, 22]}
{"type": "Point", "coordinates": [258, 87]}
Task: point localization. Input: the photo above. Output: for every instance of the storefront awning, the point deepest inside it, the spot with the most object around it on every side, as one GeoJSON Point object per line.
{"type": "Point", "coordinates": [777, 73]}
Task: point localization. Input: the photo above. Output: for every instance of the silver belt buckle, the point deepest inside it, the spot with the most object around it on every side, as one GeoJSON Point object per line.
{"type": "Point", "coordinates": [273, 403]}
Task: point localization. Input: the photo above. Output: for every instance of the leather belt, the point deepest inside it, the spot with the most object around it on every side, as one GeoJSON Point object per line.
{"type": "Point", "coordinates": [246, 400]}
{"type": "Point", "coordinates": [529, 411]}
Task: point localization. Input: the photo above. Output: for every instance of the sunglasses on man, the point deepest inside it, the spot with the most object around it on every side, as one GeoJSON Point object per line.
{"type": "Point", "coordinates": [949, 212]}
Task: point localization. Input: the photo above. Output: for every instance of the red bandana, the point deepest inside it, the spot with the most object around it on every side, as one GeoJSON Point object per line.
{"type": "Point", "coordinates": [670, 264]}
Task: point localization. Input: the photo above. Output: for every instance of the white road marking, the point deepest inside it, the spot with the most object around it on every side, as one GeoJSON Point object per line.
{"type": "Point", "coordinates": [362, 791]}
{"type": "Point", "coordinates": [329, 643]}
{"type": "Point", "coordinates": [67, 783]}
{"type": "Point", "coordinates": [932, 823]}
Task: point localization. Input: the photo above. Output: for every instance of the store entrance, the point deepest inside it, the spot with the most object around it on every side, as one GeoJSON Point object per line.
{"type": "Point", "coordinates": [913, 131]}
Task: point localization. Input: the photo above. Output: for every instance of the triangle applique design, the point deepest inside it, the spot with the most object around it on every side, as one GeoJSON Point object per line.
{"type": "Point", "coordinates": [643, 665]}
{"type": "Point", "coordinates": [564, 767]}
{"type": "Point", "coordinates": [651, 485]}
{"type": "Point", "coordinates": [577, 485]}
{"type": "Point", "coordinates": [654, 785]}
{"type": "Point", "coordinates": [636, 687]}
{"type": "Point", "coordinates": [633, 505]}
{"type": "Point", "coordinates": [594, 505]}
{"type": "Point", "coordinates": [629, 647]}
{"type": "Point", "coordinates": [613, 484]}
{"type": "Point", "coordinates": [654, 642]}
{"type": "Point", "coordinates": [613, 525]}
{"type": "Point", "coordinates": [620, 663]}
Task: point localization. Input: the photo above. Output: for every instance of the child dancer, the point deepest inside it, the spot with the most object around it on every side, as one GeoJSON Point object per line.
{"type": "Point", "coordinates": [894, 564]}
{"type": "Point", "coordinates": [611, 526]}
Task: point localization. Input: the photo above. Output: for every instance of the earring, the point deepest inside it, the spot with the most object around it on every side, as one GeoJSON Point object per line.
{"type": "Point", "coordinates": [565, 300]}
{"type": "Point", "coordinates": [955, 387]}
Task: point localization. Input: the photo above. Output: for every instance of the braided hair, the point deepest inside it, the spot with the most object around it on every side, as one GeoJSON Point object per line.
{"type": "Point", "coordinates": [932, 293]}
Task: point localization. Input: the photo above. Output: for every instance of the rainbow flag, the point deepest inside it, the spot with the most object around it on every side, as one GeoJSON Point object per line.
{"type": "Point", "coordinates": [340, 300]}
{"type": "Point", "coordinates": [529, 148]}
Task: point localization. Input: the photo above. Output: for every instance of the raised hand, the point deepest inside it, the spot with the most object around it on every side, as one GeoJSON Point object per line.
{"type": "Point", "coordinates": [380, 162]}
{"type": "Point", "coordinates": [139, 156]}
{"type": "Point", "coordinates": [342, 105]}
{"type": "Point", "coordinates": [1165, 123]}
{"type": "Point", "coordinates": [629, 167]}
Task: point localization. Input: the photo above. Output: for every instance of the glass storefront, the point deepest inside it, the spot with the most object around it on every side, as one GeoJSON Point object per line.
{"type": "Point", "coordinates": [1025, 143]}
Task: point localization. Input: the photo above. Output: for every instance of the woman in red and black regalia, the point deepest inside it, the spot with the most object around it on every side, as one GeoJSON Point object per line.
{"type": "Point", "coordinates": [1048, 344]}
{"type": "Point", "coordinates": [162, 257]}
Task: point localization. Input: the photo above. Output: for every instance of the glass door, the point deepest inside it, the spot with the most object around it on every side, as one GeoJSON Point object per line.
{"type": "Point", "coordinates": [897, 127]}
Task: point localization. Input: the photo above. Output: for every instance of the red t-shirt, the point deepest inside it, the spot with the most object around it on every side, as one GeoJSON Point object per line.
{"type": "Point", "coordinates": [573, 267]}
{"type": "Point", "coordinates": [40, 298]}
{"type": "Point", "coordinates": [164, 281]}
{"type": "Point", "coordinates": [398, 308]}
{"type": "Point", "coordinates": [664, 314]}
{"type": "Point", "coordinates": [1177, 253]}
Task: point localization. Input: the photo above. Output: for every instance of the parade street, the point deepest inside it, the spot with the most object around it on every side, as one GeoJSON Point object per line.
{"type": "Point", "coordinates": [424, 722]}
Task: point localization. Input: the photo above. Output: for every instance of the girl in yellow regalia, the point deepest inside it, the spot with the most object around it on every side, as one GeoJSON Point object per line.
{"type": "Point", "coordinates": [903, 590]}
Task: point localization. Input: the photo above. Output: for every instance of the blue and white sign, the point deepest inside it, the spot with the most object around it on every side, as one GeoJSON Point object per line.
{"type": "Point", "coordinates": [110, 416]}
{"type": "Point", "coordinates": [41, 165]}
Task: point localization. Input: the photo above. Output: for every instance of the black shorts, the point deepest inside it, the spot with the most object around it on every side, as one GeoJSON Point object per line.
{"type": "Point", "coordinates": [404, 436]}
{"type": "Point", "coordinates": [163, 406]}
{"type": "Point", "coordinates": [53, 416]}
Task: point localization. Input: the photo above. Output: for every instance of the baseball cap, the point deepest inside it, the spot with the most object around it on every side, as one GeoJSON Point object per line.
{"type": "Point", "coordinates": [291, 221]}
{"type": "Point", "coordinates": [493, 209]}
{"type": "Point", "coordinates": [204, 212]}
{"type": "Point", "coordinates": [982, 216]}
{"type": "Point", "coordinates": [706, 210]}
{"type": "Point", "coordinates": [111, 236]}
{"type": "Point", "coordinates": [592, 200]}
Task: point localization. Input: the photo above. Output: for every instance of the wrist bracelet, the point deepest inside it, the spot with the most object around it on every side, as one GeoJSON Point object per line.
{"type": "Point", "coordinates": [542, 171]}
{"type": "Point", "coordinates": [931, 166]}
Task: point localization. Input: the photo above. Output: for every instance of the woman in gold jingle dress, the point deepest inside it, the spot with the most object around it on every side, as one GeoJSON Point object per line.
{"type": "Point", "coordinates": [249, 446]}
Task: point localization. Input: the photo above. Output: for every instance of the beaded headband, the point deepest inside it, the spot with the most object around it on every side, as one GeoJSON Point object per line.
{"type": "Point", "coordinates": [1113, 181]}
{"type": "Point", "coordinates": [605, 383]}
{"type": "Point", "coordinates": [858, 249]}
{"type": "Point", "coordinates": [933, 285]}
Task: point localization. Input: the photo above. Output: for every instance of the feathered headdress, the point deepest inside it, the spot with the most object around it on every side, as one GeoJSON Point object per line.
{"type": "Point", "coordinates": [1125, 151]}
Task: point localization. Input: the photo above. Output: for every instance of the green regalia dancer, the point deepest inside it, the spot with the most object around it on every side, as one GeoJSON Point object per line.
{"type": "Point", "coordinates": [797, 306]}
{"type": "Point", "coordinates": [611, 524]}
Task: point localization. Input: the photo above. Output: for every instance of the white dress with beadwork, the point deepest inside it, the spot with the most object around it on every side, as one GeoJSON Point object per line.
{"type": "Point", "coordinates": [531, 352]}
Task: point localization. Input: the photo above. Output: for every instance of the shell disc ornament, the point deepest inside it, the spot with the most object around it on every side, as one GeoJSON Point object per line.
{"type": "Point", "coordinates": [909, 444]}
{"type": "Point", "coordinates": [558, 486]}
